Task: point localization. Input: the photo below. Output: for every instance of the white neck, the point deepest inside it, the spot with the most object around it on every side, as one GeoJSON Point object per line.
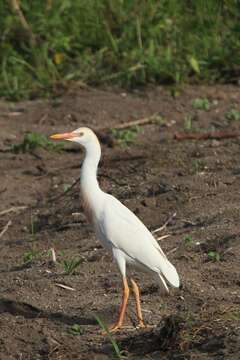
{"type": "Point", "coordinates": [90, 189]}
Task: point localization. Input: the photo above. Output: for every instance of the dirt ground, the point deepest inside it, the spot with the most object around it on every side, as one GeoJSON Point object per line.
{"type": "Point", "coordinates": [156, 176]}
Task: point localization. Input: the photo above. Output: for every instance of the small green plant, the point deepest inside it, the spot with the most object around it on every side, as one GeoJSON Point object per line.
{"type": "Point", "coordinates": [71, 265]}
{"type": "Point", "coordinates": [30, 255]}
{"type": "Point", "coordinates": [76, 329]}
{"type": "Point", "coordinates": [188, 240]}
{"type": "Point", "coordinates": [198, 166]}
{"type": "Point", "coordinates": [233, 115]}
{"type": "Point", "coordinates": [32, 229]}
{"type": "Point", "coordinates": [214, 255]}
{"type": "Point", "coordinates": [117, 351]}
{"type": "Point", "coordinates": [201, 104]}
{"type": "Point", "coordinates": [160, 120]}
{"type": "Point", "coordinates": [33, 254]}
{"type": "Point", "coordinates": [188, 122]}
{"type": "Point", "coordinates": [33, 141]}
{"type": "Point", "coordinates": [234, 315]}
{"type": "Point", "coordinates": [193, 62]}
{"type": "Point", "coordinates": [66, 187]}
{"type": "Point", "coordinates": [125, 136]}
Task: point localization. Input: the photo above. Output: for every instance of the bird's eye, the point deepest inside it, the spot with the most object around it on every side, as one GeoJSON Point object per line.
{"type": "Point", "coordinates": [80, 134]}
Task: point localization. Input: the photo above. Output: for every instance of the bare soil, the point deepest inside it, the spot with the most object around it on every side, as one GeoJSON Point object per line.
{"type": "Point", "coordinates": [155, 177]}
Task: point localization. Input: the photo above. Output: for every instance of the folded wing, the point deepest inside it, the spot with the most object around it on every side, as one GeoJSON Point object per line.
{"type": "Point", "coordinates": [126, 232]}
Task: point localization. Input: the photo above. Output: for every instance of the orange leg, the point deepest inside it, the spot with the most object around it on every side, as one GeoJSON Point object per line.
{"type": "Point", "coordinates": [136, 293]}
{"type": "Point", "coordinates": [123, 307]}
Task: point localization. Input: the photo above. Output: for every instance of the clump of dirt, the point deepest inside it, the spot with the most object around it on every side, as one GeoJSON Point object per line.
{"type": "Point", "coordinates": [48, 311]}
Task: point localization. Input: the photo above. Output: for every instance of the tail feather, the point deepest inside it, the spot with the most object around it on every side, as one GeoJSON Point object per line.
{"type": "Point", "coordinates": [163, 282]}
{"type": "Point", "coordinates": [168, 271]}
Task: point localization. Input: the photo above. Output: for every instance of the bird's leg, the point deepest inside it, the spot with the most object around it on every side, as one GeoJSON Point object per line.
{"type": "Point", "coordinates": [136, 293]}
{"type": "Point", "coordinates": [123, 306]}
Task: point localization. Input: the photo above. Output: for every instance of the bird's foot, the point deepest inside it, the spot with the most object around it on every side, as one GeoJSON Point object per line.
{"type": "Point", "coordinates": [141, 325]}
{"type": "Point", "coordinates": [113, 328]}
{"type": "Point", "coordinates": [118, 327]}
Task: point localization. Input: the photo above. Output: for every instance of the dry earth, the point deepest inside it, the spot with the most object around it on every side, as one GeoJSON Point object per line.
{"type": "Point", "coordinates": [155, 177]}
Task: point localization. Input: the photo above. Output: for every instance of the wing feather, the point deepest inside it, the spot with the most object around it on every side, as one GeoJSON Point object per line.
{"type": "Point", "coordinates": [134, 239]}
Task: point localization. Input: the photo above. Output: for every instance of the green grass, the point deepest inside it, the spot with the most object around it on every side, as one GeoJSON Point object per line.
{"type": "Point", "coordinates": [233, 115]}
{"type": "Point", "coordinates": [33, 141]}
{"type": "Point", "coordinates": [233, 315]}
{"type": "Point", "coordinates": [188, 240]}
{"type": "Point", "coordinates": [71, 265]}
{"type": "Point", "coordinates": [125, 137]}
{"type": "Point", "coordinates": [130, 43]}
{"type": "Point", "coordinates": [76, 329]}
{"type": "Point", "coordinates": [198, 166]}
{"type": "Point", "coordinates": [117, 351]}
{"type": "Point", "coordinates": [30, 255]}
{"type": "Point", "coordinates": [201, 104]}
{"type": "Point", "coordinates": [188, 119]}
{"type": "Point", "coordinates": [214, 255]}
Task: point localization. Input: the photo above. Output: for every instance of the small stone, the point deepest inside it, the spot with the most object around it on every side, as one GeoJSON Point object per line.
{"type": "Point", "coordinates": [215, 143]}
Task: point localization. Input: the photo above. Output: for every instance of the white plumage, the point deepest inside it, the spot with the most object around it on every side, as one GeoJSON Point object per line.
{"type": "Point", "coordinates": [118, 228]}
{"type": "Point", "coordinates": [125, 232]}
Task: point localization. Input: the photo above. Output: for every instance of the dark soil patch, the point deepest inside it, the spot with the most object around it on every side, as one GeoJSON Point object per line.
{"type": "Point", "coordinates": [155, 177]}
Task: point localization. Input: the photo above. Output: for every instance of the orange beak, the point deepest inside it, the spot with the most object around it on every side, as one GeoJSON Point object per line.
{"type": "Point", "coordinates": [64, 136]}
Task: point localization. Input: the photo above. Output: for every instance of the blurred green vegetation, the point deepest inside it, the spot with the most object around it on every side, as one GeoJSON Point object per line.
{"type": "Point", "coordinates": [32, 141]}
{"type": "Point", "coordinates": [127, 42]}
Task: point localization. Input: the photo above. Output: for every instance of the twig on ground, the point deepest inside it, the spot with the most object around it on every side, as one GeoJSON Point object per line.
{"type": "Point", "coordinates": [165, 224]}
{"type": "Point", "coordinates": [12, 113]}
{"type": "Point", "coordinates": [13, 209]}
{"type": "Point", "coordinates": [54, 258]}
{"type": "Point", "coordinates": [65, 287]}
{"type": "Point", "coordinates": [173, 250]}
{"type": "Point", "coordinates": [5, 228]}
{"type": "Point", "coordinates": [138, 122]}
{"type": "Point", "coordinates": [163, 237]}
{"type": "Point", "coordinates": [189, 222]}
{"type": "Point", "coordinates": [218, 135]}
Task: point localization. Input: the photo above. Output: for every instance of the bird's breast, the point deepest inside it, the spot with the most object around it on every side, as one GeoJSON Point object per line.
{"type": "Point", "coordinates": [87, 208]}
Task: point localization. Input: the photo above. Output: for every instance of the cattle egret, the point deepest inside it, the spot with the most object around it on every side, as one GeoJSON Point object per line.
{"type": "Point", "coordinates": [118, 228]}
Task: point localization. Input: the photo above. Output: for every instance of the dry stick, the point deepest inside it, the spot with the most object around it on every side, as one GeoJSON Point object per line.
{"type": "Point", "coordinates": [218, 135]}
{"type": "Point", "coordinates": [17, 10]}
{"type": "Point", "coordinates": [163, 237]}
{"type": "Point", "coordinates": [139, 122]}
{"type": "Point", "coordinates": [5, 228]}
{"type": "Point", "coordinates": [64, 287]}
{"type": "Point", "coordinates": [54, 258]}
{"type": "Point", "coordinates": [165, 224]}
{"type": "Point", "coordinates": [12, 113]}
{"type": "Point", "coordinates": [173, 250]}
{"type": "Point", "coordinates": [13, 209]}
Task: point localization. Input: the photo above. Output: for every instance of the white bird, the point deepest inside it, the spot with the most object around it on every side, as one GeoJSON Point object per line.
{"type": "Point", "coordinates": [118, 228]}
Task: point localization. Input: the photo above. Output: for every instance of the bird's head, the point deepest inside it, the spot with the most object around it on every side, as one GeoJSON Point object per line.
{"type": "Point", "coordinates": [82, 136]}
